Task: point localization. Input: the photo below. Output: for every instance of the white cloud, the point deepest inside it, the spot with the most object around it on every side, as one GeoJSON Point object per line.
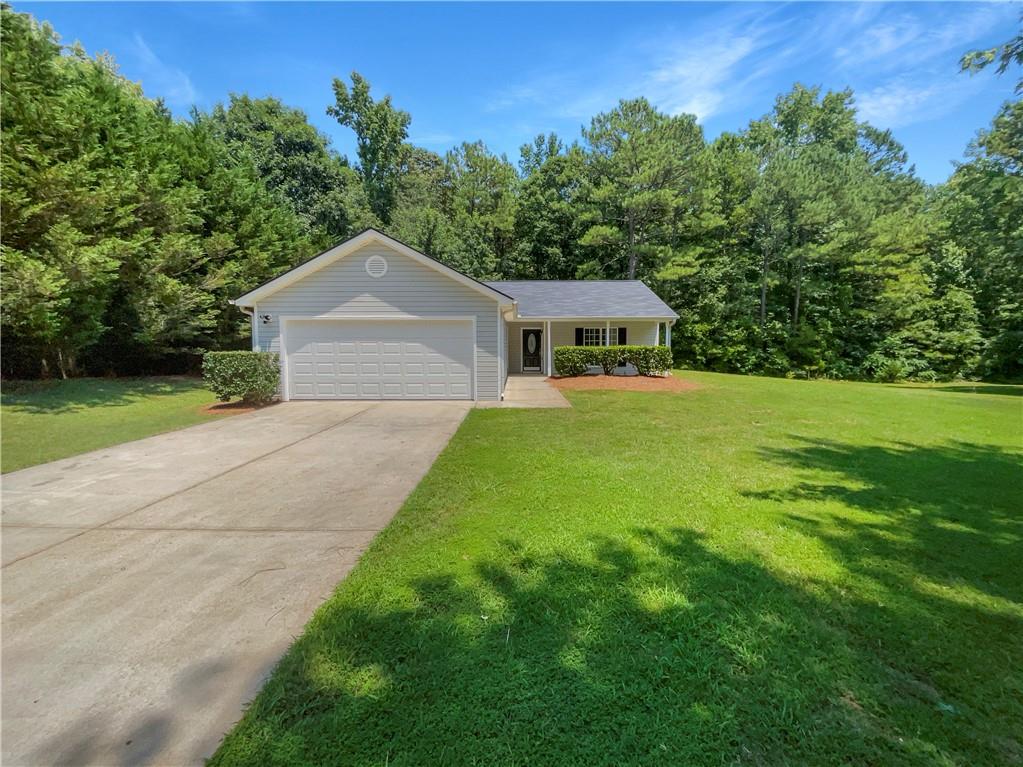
{"type": "Point", "coordinates": [918, 61]}
{"type": "Point", "coordinates": [696, 79]}
{"type": "Point", "coordinates": [436, 138]}
{"type": "Point", "coordinates": [161, 80]}
{"type": "Point", "coordinates": [896, 104]}
{"type": "Point", "coordinates": [911, 40]}
{"type": "Point", "coordinates": [902, 62]}
{"type": "Point", "coordinates": [692, 71]}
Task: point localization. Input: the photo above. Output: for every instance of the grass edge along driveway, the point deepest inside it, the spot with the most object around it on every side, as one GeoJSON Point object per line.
{"type": "Point", "coordinates": [758, 572]}
{"type": "Point", "coordinates": [47, 420]}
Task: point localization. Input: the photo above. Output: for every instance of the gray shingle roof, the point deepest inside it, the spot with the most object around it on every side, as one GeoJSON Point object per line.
{"type": "Point", "coordinates": [584, 298]}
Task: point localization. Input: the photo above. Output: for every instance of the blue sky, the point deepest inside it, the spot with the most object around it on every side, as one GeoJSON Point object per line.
{"type": "Point", "coordinates": [504, 72]}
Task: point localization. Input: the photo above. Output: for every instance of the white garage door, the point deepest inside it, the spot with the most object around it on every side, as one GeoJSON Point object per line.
{"type": "Point", "coordinates": [379, 359]}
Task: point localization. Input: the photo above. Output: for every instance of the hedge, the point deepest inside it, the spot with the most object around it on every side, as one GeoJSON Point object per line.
{"type": "Point", "coordinates": [575, 360]}
{"type": "Point", "coordinates": [250, 376]}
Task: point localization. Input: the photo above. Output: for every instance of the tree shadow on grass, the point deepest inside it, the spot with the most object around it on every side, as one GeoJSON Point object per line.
{"type": "Point", "coordinates": [1008, 390]}
{"type": "Point", "coordinates": [651, 648]}
{"type": "Point", "coordinates": [951, 513]}
{"type": "Point", "coordinates": [79, 393]}
{"type": "Point", "coordinates": [932, 554]}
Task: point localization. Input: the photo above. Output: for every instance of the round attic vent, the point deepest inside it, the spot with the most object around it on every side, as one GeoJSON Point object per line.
{"type": "Point", "coordinates": [376, 266]}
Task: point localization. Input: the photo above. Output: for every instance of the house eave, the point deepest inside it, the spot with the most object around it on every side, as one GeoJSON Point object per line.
{"type": "Point", "coordinates": [353, 244]}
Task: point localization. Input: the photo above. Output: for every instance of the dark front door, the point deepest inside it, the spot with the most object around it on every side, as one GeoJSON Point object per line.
{"type": "Point", "coordinates": [531, 349]}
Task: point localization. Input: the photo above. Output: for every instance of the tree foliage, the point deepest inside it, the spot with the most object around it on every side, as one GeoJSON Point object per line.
{"type": "Point", "coordinates": [125, 232]}
{"type": "Point", "coordinates": [380, 133]}
{"type": "Point", "coordinates": [1002, 56]}
{"type": "Point", "coordinates": [803, 244]}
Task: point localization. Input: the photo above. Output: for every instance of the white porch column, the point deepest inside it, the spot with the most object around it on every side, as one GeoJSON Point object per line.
{"type": "Point", "coordinates": [667, 334]}
{"type": "Point", "coordinates": [607, 334]}
{"type": "Point", "coordinates": [550, 349]}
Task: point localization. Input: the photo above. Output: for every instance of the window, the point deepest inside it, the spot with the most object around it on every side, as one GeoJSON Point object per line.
{"type": "Point", "coordinates": [596, 336]}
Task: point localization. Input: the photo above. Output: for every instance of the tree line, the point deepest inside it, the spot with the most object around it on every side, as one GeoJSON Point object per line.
{"type": "Point", "coordinates": [802, 245]}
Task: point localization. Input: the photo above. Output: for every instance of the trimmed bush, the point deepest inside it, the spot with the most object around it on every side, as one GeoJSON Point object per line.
{"type": "Point", "coordinates": [572, 360]}
{"type": "Point", "coordinates": [575, 360]}
{"type": "Point", "coordinates": [250, 376]}
{"type": "Point", "coordinates": [650, 360]}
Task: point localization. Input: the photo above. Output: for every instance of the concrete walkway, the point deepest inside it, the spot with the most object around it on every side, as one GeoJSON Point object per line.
{"type": "Point", "coordinates": [149, 588]}
{"type": "Point", "coordinates": [525, 390]}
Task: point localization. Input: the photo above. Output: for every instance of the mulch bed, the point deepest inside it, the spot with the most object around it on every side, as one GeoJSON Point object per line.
{"type": "Point", "coordinates": [233, 408]}
{"type": "Point", "coordinates": [624, 383]}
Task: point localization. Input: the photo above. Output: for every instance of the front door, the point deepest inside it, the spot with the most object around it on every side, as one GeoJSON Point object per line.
{"type": "Point", "coordinates": [531, 348]}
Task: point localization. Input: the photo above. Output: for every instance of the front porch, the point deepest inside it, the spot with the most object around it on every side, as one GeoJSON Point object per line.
{"type": "Point", "coordinates": [530, 343]}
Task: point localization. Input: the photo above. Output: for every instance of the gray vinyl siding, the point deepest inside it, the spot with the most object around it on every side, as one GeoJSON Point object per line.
{"type": "Point", "coordinates": [409, 289]}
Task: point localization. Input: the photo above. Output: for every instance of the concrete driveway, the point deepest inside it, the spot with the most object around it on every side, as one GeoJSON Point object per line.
{"type": "Point", "coordinates": [149, 588]}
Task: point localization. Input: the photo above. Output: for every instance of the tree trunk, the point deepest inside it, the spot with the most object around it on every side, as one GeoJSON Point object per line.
{"type": "Point", "coordinates": [763, 287]}
{"type": "Point", "coordinates": [633, 255]}
{"type": "Point", "coordinates": [799, 288]}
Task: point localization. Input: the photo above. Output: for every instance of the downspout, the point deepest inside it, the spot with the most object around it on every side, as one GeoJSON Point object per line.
{"type": "Point", "coordinates": [253, 325]}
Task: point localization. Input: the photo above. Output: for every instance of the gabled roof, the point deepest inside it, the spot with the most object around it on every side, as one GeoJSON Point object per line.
{"type": "Point", "coordinates": [351, 245]}
{"type": "Point", "coordinates": [582, 299]}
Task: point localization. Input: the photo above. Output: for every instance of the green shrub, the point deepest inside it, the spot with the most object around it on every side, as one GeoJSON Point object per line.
{"type": "Point", "coordinates": [575, 360]}
{"type": "Point", "coordinates": [607, 357]}
{"type": "Point", "coordinates": [250, 376]}
{"type": "Point", "coordinates": [649, 360]}
{"type": "Point", "coordinates": [571, 360]}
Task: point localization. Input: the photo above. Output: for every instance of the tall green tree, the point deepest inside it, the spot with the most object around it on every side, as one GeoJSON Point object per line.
{"type": "Point", "coordinates": [640, 183]}
{"type": "Point", "coordinates": [295, 162]}
{"type": "Point", "coordinates": [124, 231]}
{"type": "Point", "coordinates": [549, 223]}
{"type": "Point", "coordinates": [420, 217]}
{"type": "Point", "coordinates": [480, 197]}
{"type": "Point", "coordinates": [380, 133]}
{"type": "Point", "coordinates": [983, 202]}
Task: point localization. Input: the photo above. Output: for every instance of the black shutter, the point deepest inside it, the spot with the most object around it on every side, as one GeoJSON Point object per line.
{"type": "Point", "coordinates": [621, 337]}
{"type": "Point", "coordinates": [578, 336]}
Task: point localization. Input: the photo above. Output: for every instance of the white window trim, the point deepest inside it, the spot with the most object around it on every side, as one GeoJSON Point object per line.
{"type": "Point", "coordinates": [601, 336]}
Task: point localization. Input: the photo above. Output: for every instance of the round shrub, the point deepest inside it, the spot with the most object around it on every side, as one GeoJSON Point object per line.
{"type": "Point", "coordinates": [252, 377]}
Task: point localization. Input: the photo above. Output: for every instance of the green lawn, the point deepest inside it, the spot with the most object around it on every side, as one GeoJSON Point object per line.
{"type": "Point", "coordinates": [45, 420]}
{"type": "Point", "coordinates": [761, 572]}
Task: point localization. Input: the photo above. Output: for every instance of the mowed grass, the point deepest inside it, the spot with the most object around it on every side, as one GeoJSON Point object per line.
{"type": "Point", "coordinates": [761, 572]}
{"type": "Point", "coordinates": [42, 421]}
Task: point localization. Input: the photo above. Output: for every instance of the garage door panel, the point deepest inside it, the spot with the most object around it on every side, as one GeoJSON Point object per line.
{"type": "Point", "coordinates": [374, 359]}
